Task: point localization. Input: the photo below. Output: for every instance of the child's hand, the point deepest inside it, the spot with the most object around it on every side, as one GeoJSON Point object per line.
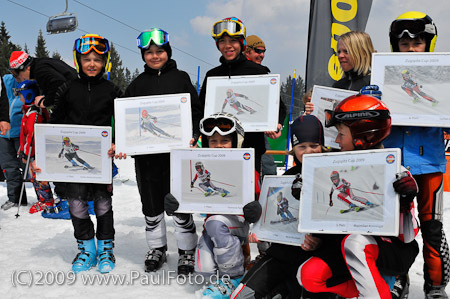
{"type": "Point", "coordinates": [112, 153]}
{"type": "Point", "coordinates": [4, 127]}
{"type": "Point", "coordinates": [274, 134]}
{"type": "Point", "coordinates": [406, 186]}
{"type": "Point", "coordinates": [311, 243]}
{"type": "Point", "coordinates": [34, 167]}
{"type": "Point", "coordinates": [309, 107]}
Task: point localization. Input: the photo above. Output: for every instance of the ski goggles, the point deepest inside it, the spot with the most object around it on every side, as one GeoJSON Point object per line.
{"type": "Point", "coordinates": [231, 27]}
{"type": "Point", "coordinates": [332, 117]}
{"type": "Point", "coordinates": [223, 125]}
{"type": "Point", "coordinates": [412, 27]}
{"type": "Point", "coordinates": [158, 36]}
{"type": "Point", "coordinates": [84, 45]}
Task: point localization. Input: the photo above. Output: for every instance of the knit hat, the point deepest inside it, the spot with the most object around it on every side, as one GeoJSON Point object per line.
{"type": "Point", "coordinates": [307, 128]}
{"type": "Point", "coordinates": [166, 48]}
{"type": "Point", "coordinates": [254, 41]}
{"type": "Point", "coordinates": [19, 60]}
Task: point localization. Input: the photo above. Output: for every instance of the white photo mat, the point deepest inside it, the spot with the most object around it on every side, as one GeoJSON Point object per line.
{"type": "Point", "coordinates": [231, 170]}
{"type": "Point", "coordinates": [370, 174]}
{"type": "Point", "coordinates": [276, 225]}
{"type": "Point", "coordinates": [168, 123]}
{"type": "Point", "coordinates": [258, 100]}
{"type": "Point", "coordinates": [327, 98]}
{"type": "Point", "coordinates": [89, 144]}
{"type": "Point", "coordinates": [422, 100]}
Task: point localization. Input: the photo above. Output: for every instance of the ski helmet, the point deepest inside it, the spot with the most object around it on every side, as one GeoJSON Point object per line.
{"type": "Point", "coordinates": [414, 24]}
{"type": "Point", "coordinates": [405, 74]}
{"type": "Point", "coordinates": [18, 61]}
{"type": "Point", "coordinates": [28, 89]}
{"type": "Point", "coordinates": [224, 124]}
{"type": "Point", "coordinates": [199, 165]}
{"type": "Point", "coordinates": [155, 36]}
{"type": "Point", "coordinates": [232, 27]}
{"type": "Point", "coordinates": [334, 176]}
{"type": "Point", "coordinates": [66, 139]}
{"type": "Point", "coordinates": [144, 113]}
{"type": "Point", "coordinates": [88, 43]}
{"type": "Point", "coordinates": [367, 117]}
{"type": "Point", "coordinates": [279, 196]}
{"type": "Point", "coordinates": [230, 92]}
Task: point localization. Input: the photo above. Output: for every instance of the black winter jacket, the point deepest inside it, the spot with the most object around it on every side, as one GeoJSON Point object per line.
{"type": "Point", "coordinates": [352, 81]}
{"type": "Point", "coordinates": [4, 103]}
{"type": "Point", "coordinates": [85, 101]}
{"type": "Point", "coordinates": [50, 74]}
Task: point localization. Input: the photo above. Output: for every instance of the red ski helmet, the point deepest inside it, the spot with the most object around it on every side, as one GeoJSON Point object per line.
{"type": "Point", "coordinates": [144, 113]}
{"type": "Point", "coordinates": [334, 175]}
{"type": "Point", "coordinates": [367, 117]}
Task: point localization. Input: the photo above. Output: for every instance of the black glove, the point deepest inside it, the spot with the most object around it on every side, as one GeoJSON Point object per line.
{"type": "Point", "coordinates": [59, 155]}
{"type": "Point", "coordinates": [296, 187]}
{"type": "Point", "coordinates": [192, 185]}
{"type": "Point", "coordinates": [252, 211]}
{"type": "Point", "coordinates": [406, 186]}
{"type": "Point", "coordinates": [171, 204]}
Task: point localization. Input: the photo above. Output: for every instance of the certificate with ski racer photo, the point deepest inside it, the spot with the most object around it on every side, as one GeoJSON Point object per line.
{"type": "Point", "coordinates": [327, 98]}
{"type": "Point", "coordinates": [213, 181]}
{"type": "Point", "coordinates": [73, 153]}
{"type": "Point", "coordinates": [415, 87]}
{"type": "Point", "coordinates": [252, 99]}
{"type": "Point", "coordinates": [280, 212]}
{"type": "Point", "coordinates": [152, 124]}
{"type": "Point", "coordinates": [350, 193]}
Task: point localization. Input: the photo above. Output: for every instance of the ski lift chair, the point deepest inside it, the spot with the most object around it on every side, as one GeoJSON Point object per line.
{"type": "Point", "coordinates": [63, 22]}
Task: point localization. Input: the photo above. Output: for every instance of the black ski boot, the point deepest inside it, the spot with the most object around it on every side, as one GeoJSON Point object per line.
{"type": "Point", "coordinates": [155, 258]}
{"type": "Point", "coordinates": [186, 261]}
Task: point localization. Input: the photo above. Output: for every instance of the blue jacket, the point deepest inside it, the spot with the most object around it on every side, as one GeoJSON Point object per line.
{"type": "Point", "coordinates": [423, 148]}
{"type": "Point", "coordinates": [15, 107]}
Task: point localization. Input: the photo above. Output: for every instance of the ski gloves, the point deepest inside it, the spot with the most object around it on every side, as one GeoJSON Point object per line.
{"type": "Point", "coordinates": [171, 204]}
{"type": "Point", "coordinates": [406, 186]}
{"type": "Point", "coordinates": [371, 90]}
{"type": "Point", "coordinates": [252, 211]}
{"type": "Point", "coordinates": [296, 187]}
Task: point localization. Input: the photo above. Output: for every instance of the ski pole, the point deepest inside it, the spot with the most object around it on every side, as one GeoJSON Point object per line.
{"type": "Point", "coordinates": [367, 191]}
{"type": "Point", "coordinates": [223, 183]}
{"type": "Point", "coordinates": [25, 173]}
{"type": "Point", "coordinates": [89, 152]}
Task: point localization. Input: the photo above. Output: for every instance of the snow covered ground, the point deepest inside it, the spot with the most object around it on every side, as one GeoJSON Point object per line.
{"type": "Point", "coordinates": [36, 254]}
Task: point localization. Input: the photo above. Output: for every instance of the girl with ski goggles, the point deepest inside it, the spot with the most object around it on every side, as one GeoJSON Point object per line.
{"type": "Point", "coordinates": [412, 27]}
{"type": "Point", "coordinates": [158, 36]}
{"type": "Point", "coordinates": [222, 124]}
{"type": "Point", "coordinates": [90, 42]}
{"type": "Point", "coordinates": [232, 26]}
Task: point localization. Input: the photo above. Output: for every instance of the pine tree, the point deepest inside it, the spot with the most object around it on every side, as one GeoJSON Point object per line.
{"type": "Point", "coordinates": [127, 76]}
{"type": "Point", "coordinates": [135, 74]}
{"type": "Point", "coordinates": [26, 48]}
{"type": "Point", "coordinates": [41, 49]}
{"type": "Point", "coordinates": [286, 94]}
{"type": "Point", "coordinates": [6, 48]}
{"type": "Point", "coordinates": [117, 71]}
{"type": "Point", "coordinates": [56, 55]}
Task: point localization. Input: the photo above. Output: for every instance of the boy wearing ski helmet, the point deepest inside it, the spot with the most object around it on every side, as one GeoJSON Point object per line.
{"type": "Point", "coordinates": [423, 154]}
{"type": "Point", "coordinates": [229, 35]}
{"type": "Point", "coordinates": [205, 181]}
{"type": "Point", "coordinates": [28, 90]}
{"type": "Point", "coordinates": [89, 100]}
{"type": "Point", "coordinates": [364, 265]}
{"type": "Point", "coordinates": [161, 76]}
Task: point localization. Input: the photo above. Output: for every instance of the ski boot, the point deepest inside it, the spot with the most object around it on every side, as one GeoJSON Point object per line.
{"type": "Point", "coordinates": [416, 99]}
{"type": "Point", "coordinates": [222, 289]}
{"type": "Point", "coordinates": [87, 166]}
{"type": "Point", "coordinates": [434, 103]}
{"type": "Point", "coordinates": [59, 211]}
{"type": "Point", "coordinates": [106, 259]}
{"type": "Point", "coordinates": [224, 193]}
{"type": "Point", "coordinates": [41, 205]}
{"type": "Point", "coordinates": [369, 204]}
{"type": "Point", "coordinates": [87, 257]}
{"type": "Point", "coordinates": [209, 192]}
{"type": "Point", "coordinates": [435, 292]}
{"type": "Point", "coordinates": [354, 207]}
{"type": "Point", "coordinates": [155, 259]}
{"type": "Point", "coordinates": [186, 261]}
{"type": "Point", "coordinates": [74, 164]}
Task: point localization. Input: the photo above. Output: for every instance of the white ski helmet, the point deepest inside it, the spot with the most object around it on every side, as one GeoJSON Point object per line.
{"type": "Point", "coordinates": [199, 165]}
